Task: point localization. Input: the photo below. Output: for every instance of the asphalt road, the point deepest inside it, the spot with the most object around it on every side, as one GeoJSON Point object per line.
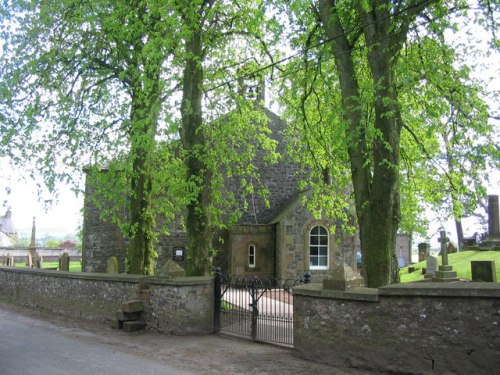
{"type": "Point", "coordinates": [37, 343]}
{"type": "Point", "coordinates": [29, 346]}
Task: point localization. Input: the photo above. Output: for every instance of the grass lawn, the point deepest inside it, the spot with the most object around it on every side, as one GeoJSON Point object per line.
{"type": "Point", "coordinates": [73, 266]}
{"type": "Point", "coordinates": [459, 261]}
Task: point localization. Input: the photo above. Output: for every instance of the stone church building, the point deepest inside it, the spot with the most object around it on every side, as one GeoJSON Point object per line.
{"type": "Point", "coordinates": [280, 240]}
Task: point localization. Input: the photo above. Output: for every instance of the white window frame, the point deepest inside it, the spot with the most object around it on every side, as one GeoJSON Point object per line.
{"type": "Point", "coordinates": [320, 247]}
{"type": "Point", "coordinates": [250, 256]}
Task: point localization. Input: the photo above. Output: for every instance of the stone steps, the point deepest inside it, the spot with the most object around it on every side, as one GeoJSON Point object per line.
{"type": "Point", "coordinates": [129, 317]}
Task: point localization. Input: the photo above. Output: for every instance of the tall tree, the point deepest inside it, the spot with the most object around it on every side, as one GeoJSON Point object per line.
{"type": "Point", "coordinates": [81, 83]}
{"type": "Point", "coordinates": [355, 49]}
{"type": "Point", "coordinates": [94, 82]}
{"type": "Point", "coordinates": [211, 31]}
{"type": "Point", "coordinates": [450, 126]}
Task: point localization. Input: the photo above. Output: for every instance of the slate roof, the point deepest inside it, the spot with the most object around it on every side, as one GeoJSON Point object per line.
{"type": "Point", "coordinates": [280, 179]}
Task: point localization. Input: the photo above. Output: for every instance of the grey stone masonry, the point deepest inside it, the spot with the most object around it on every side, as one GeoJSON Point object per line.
{"type": "Point", "coordinates": [343, 277]}
{"type": "Point", "coordinates": [178, 306]}
{"type": "Point", "coordinates": [412, 328]}
{"type": "Point", "coordinates": [102, 238]}
{"type": "Point", "coordinates": [171, 270]}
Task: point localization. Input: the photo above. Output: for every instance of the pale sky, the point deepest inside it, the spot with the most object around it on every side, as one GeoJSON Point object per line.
{"type": "Point", "coordinates": [62, 218]}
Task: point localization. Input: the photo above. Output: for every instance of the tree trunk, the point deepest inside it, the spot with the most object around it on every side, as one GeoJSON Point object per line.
{"type": "Point", "coordinates": [460, 234]}
{"type": "Point", "coordinates": [376, 192]}
{"type": "Point", "coordinates": [198, 223]}
{"type": "Point", "coordinates": [384, 207]}
{"type": "Point", "coordinates": [141, 252]}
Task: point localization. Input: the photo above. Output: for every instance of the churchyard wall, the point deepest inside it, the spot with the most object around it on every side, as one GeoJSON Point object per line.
{"type": "Point", "coordinates": [48, 254]}
{"type": "Point", "coordinates": [408, 328]}
{"type": "Point", "coordinates": [181, 306]}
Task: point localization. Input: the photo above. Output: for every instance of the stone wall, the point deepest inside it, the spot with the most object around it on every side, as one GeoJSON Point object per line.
{"type": "Point", "coordinates": [102, 238]}
{"type": "Point", "coordinates": [181, 306]}
{"type": "Point", "coordinates": [292, 242]}
{"type": "Point", "coordinates": [408, 328]}
{"type": "Point", "coordinates": [260, 236]}
{"type": "Point", "coordinates": [48, 254]}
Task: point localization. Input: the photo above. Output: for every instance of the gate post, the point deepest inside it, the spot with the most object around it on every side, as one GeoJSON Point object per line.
{"type": "Point", "coordinates": [255, 310]}
{"type": "Point", "coordinates": [217, 298]}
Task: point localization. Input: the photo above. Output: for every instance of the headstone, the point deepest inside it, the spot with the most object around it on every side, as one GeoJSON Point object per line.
{"type": "Point", "coordinates": [10, 261]}
{"type": "Point", "coordinates": [39, 261]}
{"type": "Point", "coordinates": [171, 270]}
{"type": "Point", "coordinates": [32, 248]}
{"type": "Point", "coordinates": [431, 267]}
{"type": "Point", "coordinates": [343, 277]}
{"type": "Point", "coordinates": [29, 263]}
{"type": "Point", "coordinates": [483, 271]}
{"type": "Point", "coordinates": [423, 251]}
{"type": "Point", "coordinates": [493, 216]}
{"type": "Point", "coordinates": [403, 249]}
{"type": "Point", "coordinates": [64, 262]}
{"type": "Point", "coordinates": [33, 234]}
{"type": "Point", "coordinates": [112, 265]}
{"type": "Point", "coordinates": [445, 271]}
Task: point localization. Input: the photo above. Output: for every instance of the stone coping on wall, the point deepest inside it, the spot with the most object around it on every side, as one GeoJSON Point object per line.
{"type": "Point", "coordinates": [126, 278]}
{"type": "Point", "coordinates": [417, 289]}
{"type": "Point", "coordinates": [443, 289]}
{"type": "Point", "coordinates": [316, 290]}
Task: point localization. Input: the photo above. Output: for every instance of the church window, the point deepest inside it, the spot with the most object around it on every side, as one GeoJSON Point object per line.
{"type": "Point", "coordinates": [318, 248]}
{"type": "Point", "coordinates": [251, 256]}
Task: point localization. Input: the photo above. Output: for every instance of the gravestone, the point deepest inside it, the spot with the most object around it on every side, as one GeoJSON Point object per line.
{"type": "Point", "coordinates": [431, 267]}
{"type": "Point", "coordinates": [32, 247]}
{"type": "Point", "coordinates": [492, 241]}
{"type": "Point", "coordinates": [343, 277]}
{"type": "Point", "coordinates": [29, 263]}
{"type": "Point", "coordinates": [39, 261]}
{"type": "Point", "coordinates": [112, 265]}
{"type": "Point", "coordinates": [423, 251]}
{"type": "Point", "coordinates": [483, 271]}
{"type": "Point", "coordinates": [493, 216]}
{"type": "Point", "coordinates": [64, 262]}
{"type": "Point", "coordinates": [445, 271]}
{"type": "Point", "coordinates": [171, 270]}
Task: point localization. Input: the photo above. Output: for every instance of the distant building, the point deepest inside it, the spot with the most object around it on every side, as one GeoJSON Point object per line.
{"type": "Point", "coordinates": [8, 233]}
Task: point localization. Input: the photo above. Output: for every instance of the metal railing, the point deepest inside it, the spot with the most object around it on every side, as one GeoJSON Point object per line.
{"type": "Point", "coordinates": [259, 309]}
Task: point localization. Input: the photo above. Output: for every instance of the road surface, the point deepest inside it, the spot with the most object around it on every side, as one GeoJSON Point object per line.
{"type": "Point", "coordinates": [39, 343]}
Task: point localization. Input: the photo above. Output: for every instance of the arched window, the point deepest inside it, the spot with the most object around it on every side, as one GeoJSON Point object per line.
{"type": "Point", "coordinates": [252, 254]}
{"type": "Point", "coordinates": [318, 248]}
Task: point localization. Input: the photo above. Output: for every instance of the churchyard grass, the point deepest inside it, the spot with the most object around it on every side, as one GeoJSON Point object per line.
{"type": "Point", "coordinates": [459, 261]}
{"type": "Point", "coordinates": [73, 266]}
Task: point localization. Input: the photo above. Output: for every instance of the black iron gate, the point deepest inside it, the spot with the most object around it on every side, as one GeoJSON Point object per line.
{"type": "Point", "coordinates": [255, 308]}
